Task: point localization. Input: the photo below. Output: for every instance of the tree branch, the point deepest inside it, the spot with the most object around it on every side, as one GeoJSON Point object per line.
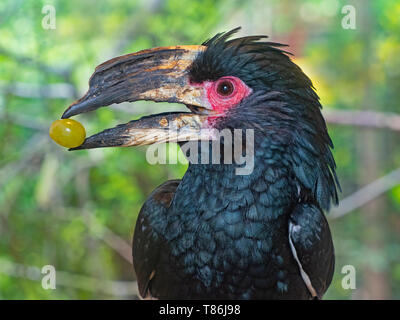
{"type": "Point", "coordinates": [34, 147]}
{"type": "Point", "coordinates": [374, 119]}
{"type": "Point", "coordinates": [71, 280]}
{"type": "Point", "coordinates": [366, 194]}
{"type": "Point", "coordinates": [97, 229]}
{"type": "Point", "coordinates": [31, 90]}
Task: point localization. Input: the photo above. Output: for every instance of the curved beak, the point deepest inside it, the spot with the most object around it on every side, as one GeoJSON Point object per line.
{"type": "Point", "coordinates": [159, 74]}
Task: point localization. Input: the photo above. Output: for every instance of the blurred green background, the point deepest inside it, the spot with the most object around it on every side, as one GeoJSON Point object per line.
{"type": "Point", "coordinates": [76, 211]}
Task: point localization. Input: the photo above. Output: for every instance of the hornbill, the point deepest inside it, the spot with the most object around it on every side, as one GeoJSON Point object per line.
{"type": "Point", "coordinates": [216, 234]}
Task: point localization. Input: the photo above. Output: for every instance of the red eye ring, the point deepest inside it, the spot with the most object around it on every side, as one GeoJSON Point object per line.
{"type": "Point", "coordinates": [225, 88]}
{"type": "Point", "coordinates": [225, 92]}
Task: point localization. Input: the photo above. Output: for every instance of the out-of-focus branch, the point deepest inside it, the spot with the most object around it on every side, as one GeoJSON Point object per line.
{"type": "Point", "coordinates": [101, 232]}
{"type": "Point", "coordinates": [366, 194]}
{"type": "Point", "coordinates": [30, 150]}
{"type": "Point", "coordinates": [57, 90]}
{"type": "Point", "coordinates": [110, 238]}
{"type": "Point", "coordinates": [24, 121]}
{"type": "Point", "coordinates": [371, 119]}
{"type": "Point", "coordinates": [66, 279]}
{"type": "Point", "coordinates": [98, 229]}
{"type": "Point", "coordinates": [118, 244]}
{"type": "Point", "coordinates": [31, 90]}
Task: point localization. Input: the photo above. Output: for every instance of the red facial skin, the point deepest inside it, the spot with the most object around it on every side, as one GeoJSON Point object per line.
{"type": "Point", "coordinates": [222, 103]}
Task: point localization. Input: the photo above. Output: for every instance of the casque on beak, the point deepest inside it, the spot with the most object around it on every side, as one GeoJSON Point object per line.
{"type": "Point", "coordinates": [159, 74]}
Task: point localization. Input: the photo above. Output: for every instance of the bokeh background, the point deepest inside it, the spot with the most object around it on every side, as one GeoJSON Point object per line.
{"type": "Point", "coordinates": [77, 210]}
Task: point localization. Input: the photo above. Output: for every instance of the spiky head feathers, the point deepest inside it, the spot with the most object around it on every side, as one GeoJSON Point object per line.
{"type": "Point", "coordinates": [283, 106]}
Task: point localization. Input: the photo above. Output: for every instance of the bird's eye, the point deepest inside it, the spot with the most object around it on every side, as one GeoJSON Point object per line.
{"type": "Point", "coordinates": [226, 92]}
{"type": "Point", "coordinates": [225, 88]}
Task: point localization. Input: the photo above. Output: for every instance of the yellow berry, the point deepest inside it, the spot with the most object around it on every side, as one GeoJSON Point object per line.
{"type": "Point", "coordinates": [67, 133]}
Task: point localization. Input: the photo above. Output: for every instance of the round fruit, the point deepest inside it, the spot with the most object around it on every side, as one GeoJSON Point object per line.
{"type": "Point", "coordinates": [67, 133]}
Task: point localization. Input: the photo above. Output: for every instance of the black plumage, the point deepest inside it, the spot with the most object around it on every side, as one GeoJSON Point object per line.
{"type": "Point", "coordinates": [215, 234]}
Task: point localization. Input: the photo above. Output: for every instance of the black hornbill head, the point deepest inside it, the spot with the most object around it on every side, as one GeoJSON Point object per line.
{"type": "Point", "coordinates": [226, 83]}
